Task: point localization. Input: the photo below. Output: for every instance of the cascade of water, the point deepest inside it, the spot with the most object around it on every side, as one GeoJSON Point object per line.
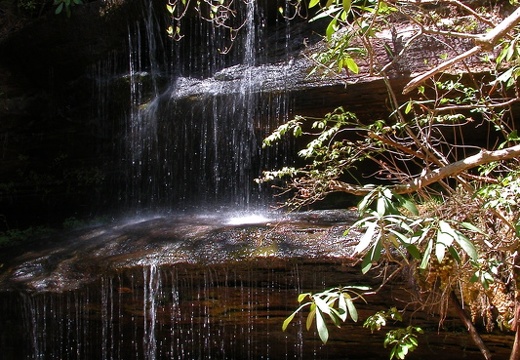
{"type": "Point", "coordinates": [183, 150]}
{"type": "Point", "coordinates": [174, 312]}
{"type": "Point", "coordinates": [151, 288]}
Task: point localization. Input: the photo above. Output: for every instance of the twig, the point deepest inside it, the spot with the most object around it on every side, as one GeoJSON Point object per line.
{"type": "Point", "coordinates": [469, 325]}
{"type": "Point", "coordinates": [484, 42]}
{"type": "Point", "coordinates": [432, 176]}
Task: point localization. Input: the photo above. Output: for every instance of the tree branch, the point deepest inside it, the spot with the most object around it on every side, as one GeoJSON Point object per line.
{"type": "Point", "coordinates": [469, 325]}
{"type": "Point", "coordinates": [423, 77]}
{"type": "Point", "coordinates": [484, 42]}
{"type": "Point", "coordinates": [433, 176]}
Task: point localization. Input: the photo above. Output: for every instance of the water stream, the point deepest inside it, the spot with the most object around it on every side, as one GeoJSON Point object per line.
{"type": "Point", "coordinates": [192, 130]}
{"type": "Point", "coordinates": [172, 288]}
{"type": "Point", "coordinates": [194, 282]}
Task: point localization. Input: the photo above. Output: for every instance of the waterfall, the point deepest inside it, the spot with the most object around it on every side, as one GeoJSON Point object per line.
{"type": "Point", "coordinates": [192, 130]}
{"type": "Point", "coordinates": [185, 124]}
{"type": "Point", "coordinates": [171, 312]}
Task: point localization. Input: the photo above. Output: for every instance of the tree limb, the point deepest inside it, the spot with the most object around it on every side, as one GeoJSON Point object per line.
{"type": "Point", "coordinates": [433, 176]}
{"type": "Point", "coordinates": [484, 42]}
{"type": "Point", "coordinates": [469, 325]}
{"type": "Point", "coordinates": [416, 81]}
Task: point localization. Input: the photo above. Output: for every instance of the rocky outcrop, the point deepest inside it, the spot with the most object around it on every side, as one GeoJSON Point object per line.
{"type": "Point", "coordinates": [165, 286]}
{"type": "Point", "coordinates": [70, 88]}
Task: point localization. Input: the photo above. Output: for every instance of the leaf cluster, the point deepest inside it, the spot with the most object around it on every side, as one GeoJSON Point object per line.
{"type": "Point", "coordinates": [390, 224]}
{"type": "Point", "coordinates": [65, 5]}
{"type": "Point", "coordinates": [335, 304]}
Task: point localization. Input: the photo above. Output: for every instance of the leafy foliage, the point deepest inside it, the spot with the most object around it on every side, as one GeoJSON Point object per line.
{"type": "Point", "coordinates": [388, 228]}
{"type": "Point", "coordinates": [402, 340]}
{"type": "Point", "coordinates": [458, 234]}
{"type": "Point", "coordinates": [65, 5]}
{"type": "Point", "coordinates": [336, 304]}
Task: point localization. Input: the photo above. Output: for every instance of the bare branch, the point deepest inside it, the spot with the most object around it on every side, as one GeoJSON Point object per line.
{"type": "Point", "coordinates": [423, 77]}
{"type": "Point", "coordinates": [433, 176]}
{"type": "Point", "coordinates": [484, 42]}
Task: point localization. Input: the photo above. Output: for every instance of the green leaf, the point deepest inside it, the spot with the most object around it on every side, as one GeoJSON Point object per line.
{"type": "Point", "coordinates": [472, 227]}
{"type": "Point", "coordinates": [331, 29]}
{"type": "Point", "coordinates": [366, 239]}
{"type": "Point", "coordinates": [467, 246]}
{"type": "Point", "coordinates": [310, 317]}
{"type": "Point", "coordinates": [412, 250]}
{"type": "Point", "coordinates": [313, 3]}
{"type": "Point", "coordinates": [351, 65]}
{"type": "Point", "coordinates": [342, 305]}
{"type": "Point", "coordinates": [444, 240]}
{"type": "Point", "coordinates": [408, 205]}
{"type": "Point", "coordinates": [336, 316]}
{"type": "Point", "coordinates": [323, 332]}
{"type": "Point", "coordinates": [351, 308]}
{"type": "Point", "coordinates": [288, 321]}
{"type": "Point", "coordinates": [366, 265]}
{"type": "Point", "coordinates": [426, 255]}
{"type": "Point", "coordinates": [59, 9]}
{"type": "Point", "coordinates": [302, 297]}
{"type": "Point", "coordinates": [454, 254]}
{"type": "Point", "coordinates": [291, 317]}
{"type": "Point", "coordinates": [346, 5]}
{"type": "Point", "coordinates": [409, 107]}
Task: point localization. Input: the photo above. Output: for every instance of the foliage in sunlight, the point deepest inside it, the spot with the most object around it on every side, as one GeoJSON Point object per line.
{"type": "Point", "coordinates": [443, 206]}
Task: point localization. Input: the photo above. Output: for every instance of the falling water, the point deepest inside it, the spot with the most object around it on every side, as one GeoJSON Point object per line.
{"type": "Point", "coordinates": [171, 312]}
{"type": "Point", "coordinates": [186, 150]}
{"type": "Point", "coordinates": [187, 126]}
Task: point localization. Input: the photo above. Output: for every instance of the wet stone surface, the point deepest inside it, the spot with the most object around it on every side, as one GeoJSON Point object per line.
{"type": "Point", "coordinates": [77, 258]}
{"type": "Point", "coordinates": [203, 287]}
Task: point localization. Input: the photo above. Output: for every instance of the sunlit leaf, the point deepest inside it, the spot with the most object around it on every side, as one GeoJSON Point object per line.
{"type": "Point", "coordinates": [445, 227]}
{"type": "Point", "coordinates": [366, 239]}
{"type": "Point", "coordinates": [321, 304]}
{"type": "Point", "coordinates": [444, 240]}
{"type": "Point", "coordinates": [288, 321]}
{"type": "Point", "coordinates": [351, 308]}
{"type": "Point", "coordinates": [291, 317]}
{"type": "Point", "coordinates": [302, 297]}
{"type": "Point", "coordinates": [313, 3]}
{"type": "Point", "coordinates": [426, 255]}
{"type": "Point", "coordinates": [323, 332]}
{"type": "Point", "coordinates": [342, 304]}
{"type": "Point", "coordinates": [331, 29]}
{"type": "Point", "coordinates": [351, 65]}
{"type": "Point", "coordinates": [310, 317]}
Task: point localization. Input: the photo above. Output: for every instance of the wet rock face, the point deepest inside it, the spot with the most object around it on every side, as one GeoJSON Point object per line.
{"type": "Point", "coordinates": [200, 287]}
{"type": "Point", "coordinates": [71, 261]}
{"type": "Point", "coordinates": [75, 90]}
